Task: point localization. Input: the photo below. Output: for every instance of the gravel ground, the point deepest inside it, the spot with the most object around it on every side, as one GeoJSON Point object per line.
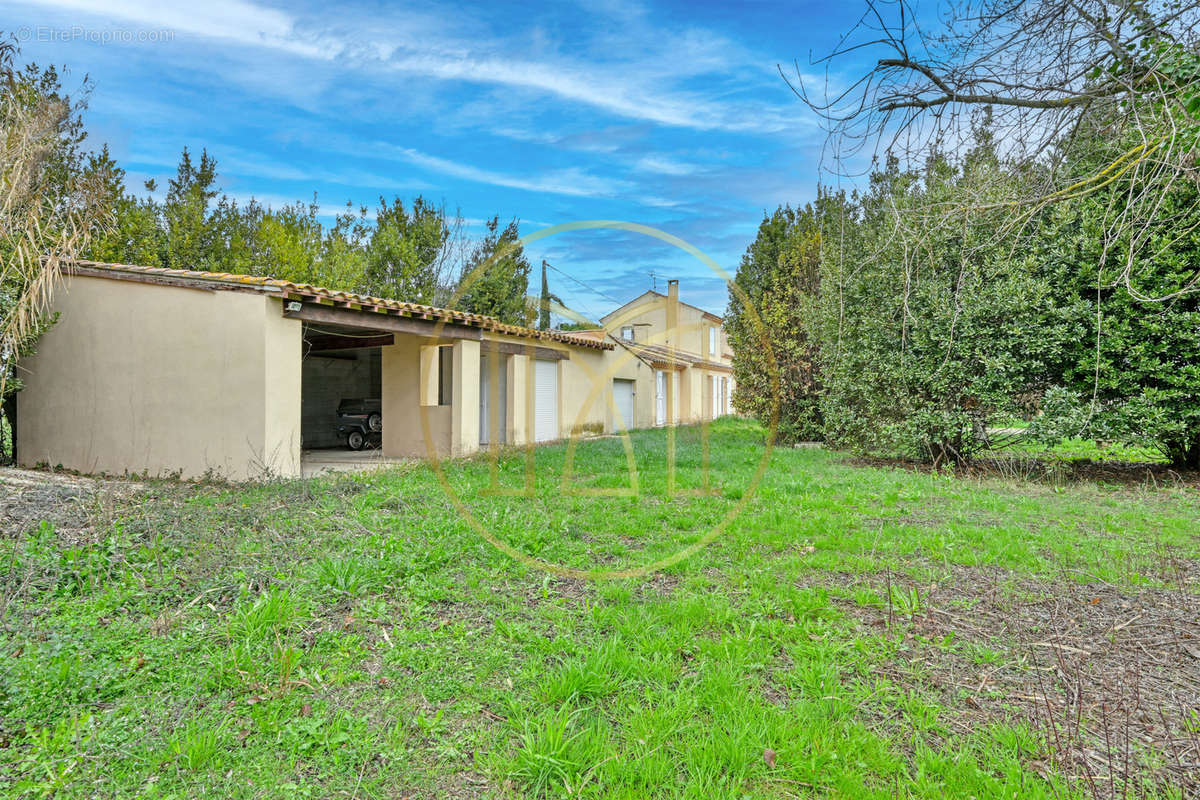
{"type": "Point", "coordinates": [69, 502]}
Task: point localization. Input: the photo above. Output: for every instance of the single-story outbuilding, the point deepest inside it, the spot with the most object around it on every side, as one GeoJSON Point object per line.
{"type": "Point", "coordinates": [174, 372]}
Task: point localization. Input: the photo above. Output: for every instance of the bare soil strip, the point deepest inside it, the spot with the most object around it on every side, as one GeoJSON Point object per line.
{"type": "Point", "coordinates": [1112, 677]}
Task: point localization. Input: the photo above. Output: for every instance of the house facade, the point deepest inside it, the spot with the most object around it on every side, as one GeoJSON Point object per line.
{"type": "Point", "coordinates": [690, 375]}
{"type": "Point", "coordinates": [170, 372]}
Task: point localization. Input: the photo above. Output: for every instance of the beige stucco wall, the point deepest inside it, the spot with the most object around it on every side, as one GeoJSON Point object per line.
{"type": "Point", "coordinates": [649, 319]}
{"type": "Point", "coordinates": [586, 402]}
{"type": "Point", "coordinates": [519, 400]}
{"type": "Point", "coordinates": [283, 355]}
{"type": "Point", "coordinates": [410, 375]}
{"type": "Point", "coordinates": [693, 393]}
{"type": "Point", "coordinates": [644, 398]}
{"type": "Point", "coordinates": [464, 413]}
{"type": "Point", "coordinates": [401, 395]}
{"type": "Point", "coordinates": [585, 394]}
{"type": "Point", "coordinates": [160, 380]}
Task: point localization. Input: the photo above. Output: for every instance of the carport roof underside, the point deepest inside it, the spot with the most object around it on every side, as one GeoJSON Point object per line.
{"type": "Point", "coordinates": [341, 308]}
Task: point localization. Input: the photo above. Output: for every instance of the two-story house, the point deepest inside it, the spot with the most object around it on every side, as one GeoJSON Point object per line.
{"type": "Point", "coordinates": [686, 373]}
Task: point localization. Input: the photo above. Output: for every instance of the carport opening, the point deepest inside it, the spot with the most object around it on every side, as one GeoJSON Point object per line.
{"type": "Point", "coordinates": [342, 370]}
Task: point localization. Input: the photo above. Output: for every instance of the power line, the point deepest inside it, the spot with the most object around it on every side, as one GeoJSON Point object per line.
{"type": "Point", "coordinates": [586, 312]}
{"type": "Point", "coordinates": [611, 299]}
{"type": "Point", "coordinates": [592, 289]}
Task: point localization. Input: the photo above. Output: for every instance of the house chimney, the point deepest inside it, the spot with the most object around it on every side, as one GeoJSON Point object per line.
{"type": "Point", "coordinates": [672, 314]}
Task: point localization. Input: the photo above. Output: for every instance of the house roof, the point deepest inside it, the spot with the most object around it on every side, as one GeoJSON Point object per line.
{"type": "Point", "coordinates": [650, 292]}
{"type": "Point", "coordinates": [598, 334]}
{"type": "Point", "coordinates": [664, 357]}
{"type": "Point", "coordinates": [303, 292]}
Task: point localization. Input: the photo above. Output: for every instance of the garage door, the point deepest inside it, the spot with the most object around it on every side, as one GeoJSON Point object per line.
{"type": "Point", "coordinates": [623, 418]}
{"type": "Point", "coordinates": [545, 401]}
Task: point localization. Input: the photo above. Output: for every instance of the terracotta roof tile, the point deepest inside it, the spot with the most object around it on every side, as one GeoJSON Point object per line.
{"type": "Point", "coordinates": [661, 354]}
{"type": "Point", "coordinates": [304, 291]}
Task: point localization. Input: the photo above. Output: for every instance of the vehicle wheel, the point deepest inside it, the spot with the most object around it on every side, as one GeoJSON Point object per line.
{"type": "Point", "coordinates": [375, 422]}
{"type": "Point", "coordinates": [356, 440]}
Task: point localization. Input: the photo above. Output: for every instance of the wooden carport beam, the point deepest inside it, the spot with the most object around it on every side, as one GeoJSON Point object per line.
{"type": "Point", "coordinates": [375, 321]}
{"type": "Point", "coordinates": [320, 342]}
{"type": "Point", "coordinates": [521, 349]}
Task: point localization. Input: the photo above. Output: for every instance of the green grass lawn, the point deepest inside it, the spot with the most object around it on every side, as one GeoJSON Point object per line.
{"type": "Point", "coordinates": [1074, 450]}
{"type": "Point", "coordinates": [852, 632]}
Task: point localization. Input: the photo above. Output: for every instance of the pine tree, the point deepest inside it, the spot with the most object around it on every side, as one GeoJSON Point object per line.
{"type": "Point", "coordinates": [495, 279]}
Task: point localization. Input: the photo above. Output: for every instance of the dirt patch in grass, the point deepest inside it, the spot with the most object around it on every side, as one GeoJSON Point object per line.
{"type": "Point", "coordinates": [1054, 470]}
{"type": "Point", "coordinates": [1110, 676]}
{"type": "Point", "coordinates": [573, 592]}
{"type": "Point", "coordinates": [68, 502]}
{"type": "Point", "coordinates": [658, 585]}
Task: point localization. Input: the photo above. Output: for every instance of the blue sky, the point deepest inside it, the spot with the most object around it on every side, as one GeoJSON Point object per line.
{"type": "Point", "coordinates": [666, 114]}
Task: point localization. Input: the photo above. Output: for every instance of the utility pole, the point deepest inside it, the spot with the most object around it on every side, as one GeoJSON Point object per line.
{"type": "Point", "coordinates": [544, 301]}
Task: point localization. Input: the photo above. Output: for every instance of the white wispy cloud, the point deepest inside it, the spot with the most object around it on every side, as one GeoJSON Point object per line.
{"type": "Point", "coordinates": [636, 89]}
{"type": "Point", "coordinates": [239, 163]}
{"type": "Point", "coordinates": [615, 94]}
{"type": "Point", "coordinates": [572, 181]}
{"type": "Point", "coordinates": [664, 166]}
{"type": "Point", "coordinates": [235, 20]}
{"type": "Point", "coordinates": [659, 202]}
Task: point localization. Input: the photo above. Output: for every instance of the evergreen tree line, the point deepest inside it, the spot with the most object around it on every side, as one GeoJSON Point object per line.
{"type": "Point", "coordinates": [61, 200]}
{"type": "Point", "coordinates": [415, 251]}
{"type": "Point", "coordinates": [913, 318]}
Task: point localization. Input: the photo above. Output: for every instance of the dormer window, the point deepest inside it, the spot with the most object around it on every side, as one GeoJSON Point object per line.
{"type": "Point", "coordinates": [627, 333]}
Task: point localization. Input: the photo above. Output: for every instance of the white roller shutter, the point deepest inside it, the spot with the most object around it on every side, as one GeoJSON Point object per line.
{"type": "Point", "coordinates": [623, 418]}
{"type": "Point", "coordinates": [660, 398]}
{"type": "Point", "coordinates": [545, 401]}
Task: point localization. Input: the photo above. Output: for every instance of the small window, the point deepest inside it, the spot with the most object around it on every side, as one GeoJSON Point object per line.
{"type": "Point", "coordinates": [712, 341]}
{"type": "Point", "coordinates": [445, 375]}
{"type": "Point", "coordinates": [627, 333]}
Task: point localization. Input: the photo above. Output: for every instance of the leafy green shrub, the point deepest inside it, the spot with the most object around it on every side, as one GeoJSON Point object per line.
{"type": "Point", "coordinates": [908, 320]}
{"type": "Point", "coordinates": [1133, 374]}
{"type": "Point", "coordinates": [930, 323]}
{"type": "Point", "coordinates": [774, 354]}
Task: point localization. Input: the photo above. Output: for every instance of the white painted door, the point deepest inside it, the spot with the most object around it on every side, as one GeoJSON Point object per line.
{"type": "Point", "coordinates": [715, 408]}
{"type": "Point", "coordinates": [489, 397]}
{"type": "Point", "coordinates": [623, 418]}
{"type": "Point", "coordinates": [545, 401]}
{"type": "Point", "coordinates": [660, 397]}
